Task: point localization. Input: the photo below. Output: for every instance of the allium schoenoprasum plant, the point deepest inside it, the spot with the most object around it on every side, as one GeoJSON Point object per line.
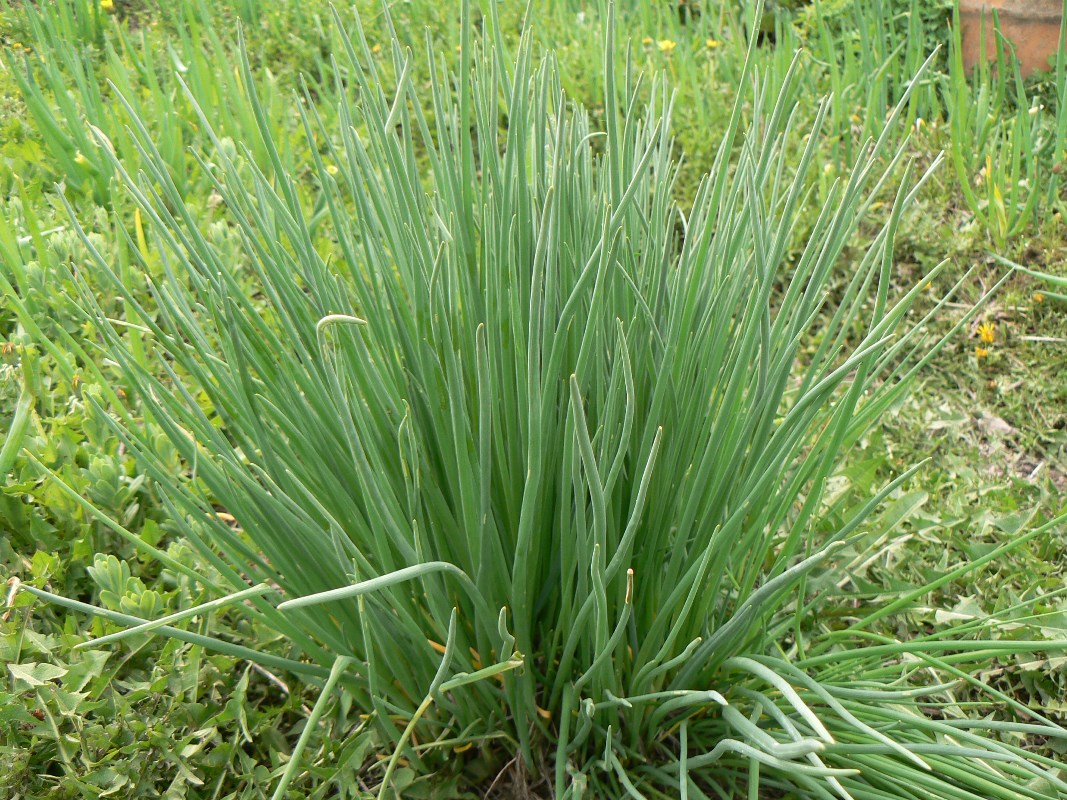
{"type": "Point", "coordinates": [524, 458]}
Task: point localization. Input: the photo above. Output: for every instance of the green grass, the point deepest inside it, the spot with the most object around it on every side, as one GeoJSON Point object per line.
{"type": "Point", "coordinates": [994, 425]}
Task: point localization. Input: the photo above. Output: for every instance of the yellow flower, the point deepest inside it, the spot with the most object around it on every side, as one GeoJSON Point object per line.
{"type": "Point", "coordinates": [987, 332]}
{"type": "Point", "coordinates": [980, 352]}
{"type": "Point", "coordinates": [666, 46]}
{"type": "Point", "coordinates": [713, 43]}
{"type": "Point", "coordinates": [646, 41]}
{"type": "Point", "coordinates": [1038, 297]}
{"type": "Point", "coordinates": [376, 49]}
{"type": "Point", "coordinates": [107, 5]}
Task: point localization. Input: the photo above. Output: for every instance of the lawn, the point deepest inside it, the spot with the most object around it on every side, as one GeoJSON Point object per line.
{"type": "Point", "coordinates": [573, 399]}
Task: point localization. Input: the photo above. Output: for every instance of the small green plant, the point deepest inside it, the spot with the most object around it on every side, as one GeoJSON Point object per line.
{"type": "Point", "coordinates": [69, 93]}
{"type": "Point", "coordinates": [997, 151]}
{"type": "Point", "coordinates": [525, 459]}
{"type": "Point", "coordinates": [871, 52]}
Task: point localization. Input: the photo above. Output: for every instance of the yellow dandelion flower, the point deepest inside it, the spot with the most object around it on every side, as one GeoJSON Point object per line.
{"type": "Point", "coordinates": [713, 43]}
{"type": "Point", "coordinates": [980, 352]}
{"type": "Point", "coordinates": [107, 5]}
{"type": "Point", "coordinates": [646, 41]}
{"type": "Point", "coordinates": [1039, 297]}
{"type": "Point", "coordinates": [987, 332]}
{"type": "Point", "coordinates": [666, 46]}
{"type": "Point", "coordinates": [376, 49]}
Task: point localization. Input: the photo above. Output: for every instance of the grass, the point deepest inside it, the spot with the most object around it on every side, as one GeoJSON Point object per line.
{"type": "Point", "coordinates": [982, 501]}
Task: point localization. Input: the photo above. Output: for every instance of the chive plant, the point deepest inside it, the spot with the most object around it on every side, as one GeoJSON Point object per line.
{"type": "Point", "coordinates": [524, 457]}
{"type": "Point", "coordinates": [997, 150]}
